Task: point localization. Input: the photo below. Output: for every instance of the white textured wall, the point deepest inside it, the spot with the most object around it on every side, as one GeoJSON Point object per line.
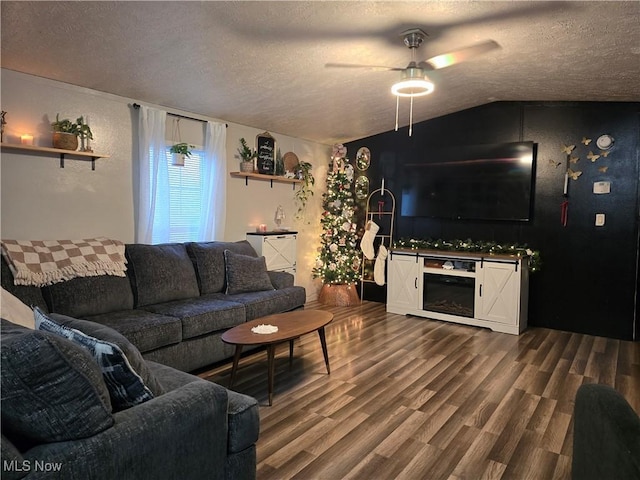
{"type": "Point", "coordinates": [39, 200]}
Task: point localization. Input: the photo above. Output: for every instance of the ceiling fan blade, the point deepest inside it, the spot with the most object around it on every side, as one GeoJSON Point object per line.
{"type": "Point", "coordinates": [460, 55]}
{"type": "Point", "coordinates": [356, 65]}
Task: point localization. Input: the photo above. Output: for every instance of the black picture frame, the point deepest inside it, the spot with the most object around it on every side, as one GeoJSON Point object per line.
{"type": "Point", "coordinates": [266, 148]}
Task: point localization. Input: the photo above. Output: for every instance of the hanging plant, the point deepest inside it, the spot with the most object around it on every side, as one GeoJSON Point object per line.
{"type": "Point", "coordinates": [303, 172]}
{"type": "Point", "coordinates": [182, 148]}
{"type": "Point", "coordinates": [180, 151]}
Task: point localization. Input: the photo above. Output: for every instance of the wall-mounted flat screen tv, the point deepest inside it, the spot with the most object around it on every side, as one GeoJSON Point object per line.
{"type": "Point", "coordinates": [480, 182]}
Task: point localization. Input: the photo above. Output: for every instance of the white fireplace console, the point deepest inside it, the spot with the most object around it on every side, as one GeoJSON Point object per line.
{"type": "Point", "coordinates": [478, 289]}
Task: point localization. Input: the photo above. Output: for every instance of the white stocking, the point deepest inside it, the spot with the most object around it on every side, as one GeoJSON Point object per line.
{"type": "Point", "coordinates": [378, 268]}
{"type": "Point", "coordinates": [366, 244]}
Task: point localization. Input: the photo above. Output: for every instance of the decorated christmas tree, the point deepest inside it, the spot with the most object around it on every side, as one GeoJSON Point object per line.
{"type": "Point", "coordinates": [339, 259]}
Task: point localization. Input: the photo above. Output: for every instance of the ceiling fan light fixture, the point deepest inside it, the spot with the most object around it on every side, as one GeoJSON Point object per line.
{"type": "Point", "coordinates": [415, 87]}
{"type": "Point", "coordinates": [414, 83]}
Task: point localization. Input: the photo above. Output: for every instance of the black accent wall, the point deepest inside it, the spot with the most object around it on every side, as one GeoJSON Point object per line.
{"type": "Point", "coordinates": [589, 278]}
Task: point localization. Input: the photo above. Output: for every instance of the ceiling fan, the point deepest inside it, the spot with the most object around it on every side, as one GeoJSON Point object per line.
{"type": "Point", "coordinates": [413, 38]}
{"type": "Point", "coordinates": [414, 81]}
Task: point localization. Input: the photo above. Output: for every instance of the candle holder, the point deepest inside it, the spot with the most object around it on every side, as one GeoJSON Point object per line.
{"type": "Point", "coordinates": [279, 216]}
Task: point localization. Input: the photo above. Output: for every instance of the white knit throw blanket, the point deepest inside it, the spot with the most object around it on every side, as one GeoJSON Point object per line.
{"type": "Point", "coordinates": [43, 262]}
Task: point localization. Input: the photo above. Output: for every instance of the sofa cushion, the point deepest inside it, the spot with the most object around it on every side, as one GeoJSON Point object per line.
{"type": "Point", "coordinates": [160, 273]}
{"type": "Point", "coordinates": [15, 311]}
{"type": "Point", "coordinates": [52, 390]}
{"type": "Point", "coordinates": [108, 334]}
{"type": "Point", "coordinates": [208, 260]}
{"type": "Point", "coordinates": [29, 295]}
{"type": "Point", "coordinates": [259, 304]}
{"type": "Point", "coordinates": [202, 315]}
{"type": "Point", "coordinates": [245, 273]}
{"type": "Point", "coordinates": [125, 385]}
{"type": "Point", "coordinates": [89, 295]}
{"type": "Point", "coordinates": [146, 330]}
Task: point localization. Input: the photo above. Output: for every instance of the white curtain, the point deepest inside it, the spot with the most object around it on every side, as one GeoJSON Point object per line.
{"type": "Point", "coordinates": [213, 170]}
{"type": "Point", "coordinates": [153, 181]}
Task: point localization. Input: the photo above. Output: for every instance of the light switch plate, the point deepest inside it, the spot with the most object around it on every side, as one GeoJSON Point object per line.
{"type": "Point", "coordinates": [600, 219]}
{"type": "Point", "coordinates": [601, 187]}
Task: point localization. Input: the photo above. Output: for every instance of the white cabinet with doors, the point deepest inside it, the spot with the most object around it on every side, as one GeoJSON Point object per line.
{"type": "Point", "coordinates": [278, 248]}
{"type": "Point", "coordinates": [404, 283]}
{"type": "Point", "coordinates": [500, 296]}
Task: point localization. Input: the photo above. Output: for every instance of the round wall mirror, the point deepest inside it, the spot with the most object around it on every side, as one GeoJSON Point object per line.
{"type": "Point", "coordinates": [362, 187]}
{"type": "Point", "coordinates": [363, 158]}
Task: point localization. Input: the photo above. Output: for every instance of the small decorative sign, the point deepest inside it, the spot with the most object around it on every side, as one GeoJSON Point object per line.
{"type": "Point", "coordinates": [266, 148]}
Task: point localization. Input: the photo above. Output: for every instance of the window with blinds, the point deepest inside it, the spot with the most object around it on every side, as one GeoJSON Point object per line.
{"type": "Point", "coordinates": [184, 214]}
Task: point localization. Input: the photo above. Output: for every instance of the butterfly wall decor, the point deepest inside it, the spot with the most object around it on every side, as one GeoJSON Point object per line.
{"type": "Point", "coordinates": [573, 159]}
{"type": "Point", "coordinates": [573, 175]}
{"type": "Point", "coordinates": [603, 169]}
{"type": "Point", "coordinates": [586, 140]}
{"type": "Point", "coordinates": [605, 154]}
{"type": "Point", "coordinates": [592, 156]}
{"type": "Point", "coordinates": [554, 163]}
{"type": "Point", "coordinates": [568, 149]}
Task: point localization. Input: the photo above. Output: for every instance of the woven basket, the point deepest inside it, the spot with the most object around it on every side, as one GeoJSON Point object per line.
{"type": "Point", "coordinates": [339, 295]}
{"type": "Point", "coordinates": [65, 141]}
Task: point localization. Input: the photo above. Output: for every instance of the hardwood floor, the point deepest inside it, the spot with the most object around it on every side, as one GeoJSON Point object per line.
{"type": "Point", "coordinates": [412, 398]}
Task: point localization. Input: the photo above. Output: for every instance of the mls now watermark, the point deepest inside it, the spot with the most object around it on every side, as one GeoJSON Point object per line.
{"type": "Point", "coordinates": [31, 466]}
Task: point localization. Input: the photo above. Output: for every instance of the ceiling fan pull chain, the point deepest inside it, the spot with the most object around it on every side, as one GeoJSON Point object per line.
{"type": "Point", "coordinates": [397, 107]}
{"type": "Point", "coordinates": [411, 117]}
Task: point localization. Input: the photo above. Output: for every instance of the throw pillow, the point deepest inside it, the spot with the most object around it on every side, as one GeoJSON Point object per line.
{"type": "Point", "coordinates": [52, 390]}
{"type": "Point", "coordinates": [246, 274]}
{"type": "Point", "coordinates": [108, 334]}
{"type": "Point", "coordinates": [126, 387]}
{"type": "Point", "coordinates": [160, 273]}
{"type": "Point", "coordinates": [208, 260]}
{"type": "Point", "coordinates": [15, 311]}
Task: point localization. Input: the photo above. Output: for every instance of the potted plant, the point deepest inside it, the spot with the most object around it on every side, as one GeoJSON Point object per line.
{"type": "Point", "coordinates": [84, 133]}
{"type": "Point", "coordinates": [65, 133]}
{"type": "Point", "coordinates": [246, 155]}
{"type": "Point", "coordinates": [303, 172]}
{"type": "Point", "coordinates": [180, 151]}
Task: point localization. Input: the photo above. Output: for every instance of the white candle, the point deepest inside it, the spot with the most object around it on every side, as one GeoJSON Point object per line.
{"type": "Point", "coordinates": [26, 139]}
{"type": "Point", "coordinates": [382, 193]}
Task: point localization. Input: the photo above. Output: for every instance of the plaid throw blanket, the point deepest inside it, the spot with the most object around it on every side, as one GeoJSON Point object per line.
{"type": "Point", "coordinates": [44, 262]}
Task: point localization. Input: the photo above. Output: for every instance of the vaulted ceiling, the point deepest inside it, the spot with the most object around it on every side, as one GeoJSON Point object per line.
{"type": "Point", "coordinates": [262, 64]}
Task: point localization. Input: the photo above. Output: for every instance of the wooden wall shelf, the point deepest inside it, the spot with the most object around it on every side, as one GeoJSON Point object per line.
{"type": "Point", "coordinates": [77, 155]}
{"type": "Point", "coordinates": [263, 177]}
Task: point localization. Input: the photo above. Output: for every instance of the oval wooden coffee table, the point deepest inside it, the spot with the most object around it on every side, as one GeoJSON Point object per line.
{"type": "Point", "coordinates": [291, 325]}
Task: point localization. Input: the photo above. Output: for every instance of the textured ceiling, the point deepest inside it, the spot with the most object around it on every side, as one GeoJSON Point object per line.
{"type": "Point", "coordinates": [261, 64]}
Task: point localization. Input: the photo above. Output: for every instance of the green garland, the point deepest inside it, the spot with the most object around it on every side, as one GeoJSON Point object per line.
{"type": "Point", "coordinates": [471, 246]}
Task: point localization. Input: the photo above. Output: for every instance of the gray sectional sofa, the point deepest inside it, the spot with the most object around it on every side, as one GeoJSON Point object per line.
{"type": "Point", "coordinates": [167, 315]}
{"type": "Point", "coordinates": [173, 304]}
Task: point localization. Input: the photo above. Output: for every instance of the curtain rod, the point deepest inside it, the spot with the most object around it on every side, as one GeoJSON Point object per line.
{"type": "Point", "coordinates": [137, 106]}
